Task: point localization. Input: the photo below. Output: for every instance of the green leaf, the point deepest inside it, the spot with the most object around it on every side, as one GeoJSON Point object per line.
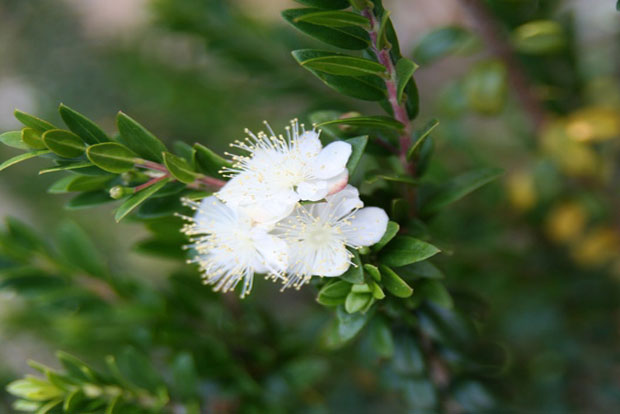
{"type": "Point", "coordinates": [80, 165]}
{"type": "Point", "coordinates": [355, 302]}
{"type": "Point", "coordinates": [459, 187]}
{"type": "Point", "coordinates": [76, 368]}
{"type": "Point", "coordinates": [73, 401]}
{"type": "Point", "coordinates": [186, 379]}
{"type": "Point", "coordinates": [382, 40]}
{"type": "Point", "coordinates": [358, 144]}
{"type": "Point", "coordinates": [138, 370]}
{"type": "Point", "coordinates": [112, 157]}
{"type": "Point", "coordinates": [78, 249]}
{"type": "Point", "coordinates": [425, 270]}
{"type": "Point", "coordinates": [82, 126]}
{"type": "Point", "coordinates": [390, 232]}
{"type": "Point", "coordinates": [366, 121]}
{"type": "Point", "coordinates": [420, 136]}
{"type": "Point", "coordinates": [353, 38]}
{"type": "Point", "coordinates": [208, 162]}
{"type": "Point", "coordinates": [404, 250]}
{"type": "Point", "coordinates": [335, 19]}
{"type": "Point", "coordinates": [160, 248]}
{"type": "Point", "coordinates": [486, 87]}
{"type": "Point", "coordinates": [539, 37]}
{"type": "Point", "coordinates": [436, 292]}
{"type": "Point", "coordinates": [32, 139]}
{"type": "Point", "coordinates": [13, 139]}
{"type": "Point", "coordinates": [394, 284]}
{"type": "Point", "coordinates": [89, 199]}
{"type": "Point", "coordinates": [337, 63]}
{"type": "Point", "coordinates": [334, 293]}
{"type": "Point", "coordinates": [408, 357]}
{"type": "Point", "coordinates": [139, 139]}
{"type": "Point", "coordinates": [413, 99]}
{"type": "Point", "coordinates": [64, 143]}
{"type": "Point", "coordinates": [179, 168]}
{"type": "Point", "coordinates": [381, 338]}
{"type": "Point", "coordinates": [79, 183]}
{"type": "Point", "coordinates": [138, 198]}
{"type": "Point", "coordinates": [22, 157]}
{"type": "Point", "coordinates": [325, 4]}
{"type": "Point", "coordinates": [355, 274]}
{"type": "Point", "coordinates": [345, 328]}
{"type": "Point", "coordinates": [404, 72]}
{"type": "Point", "coordinates": [441, 42]}
{"type": "Point", "coordinates": [397, 178]}
{"type": "Point", "coordinates": [33, 122]}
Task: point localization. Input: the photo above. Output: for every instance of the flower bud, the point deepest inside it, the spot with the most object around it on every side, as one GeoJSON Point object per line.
{"type": "Point", "coordinates": [118, 192]}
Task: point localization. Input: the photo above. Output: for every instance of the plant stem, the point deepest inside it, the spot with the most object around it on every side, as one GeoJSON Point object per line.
{"type": "Point", "coordinates": [208, 181]}
{"type": "Point", "coordinates": [150, 182]}
{"type": "Point", "coordinates": [494, 36]}
{"type": "Point", "coordinates": [399, 109]}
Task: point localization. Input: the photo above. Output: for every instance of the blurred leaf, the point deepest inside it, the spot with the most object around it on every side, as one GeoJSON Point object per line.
{"type": "Point", "coordinates": [32, 139]}
{"type": "Point", "coordinates": [13, 139]}
{"type": "Point", "coordinates": [112, 157]}
{"type": "Point", "coordinates": [333, 293]}
{"type": "Point", "coordinates": [486, 87]}
{"type": "Point", "coordinates": [356, 302]}
{"type": "Point", "coordinates": [179, 168]}
{"type": "Point", "coordinates": [394, 284]}
{"type": "Point", "coordinates": [186, 378]}
{"type": "Point", "coordinates": [358, 144]}
{"type": "Point", "coordinates": [22, 157]}
{"type": "Point", "coordinates": [137, 369]}
{"type": "Point", "coordinates": [343, 37]}
{"type": "Point", "coordinates": [420, 395]}
{"type": "Point", "coordinates": [366, 121]}
{"type": "Point", "coordinates": [337, 63]}
{"type": "Point", "coordinates": [355, 274]}
{"type": "Point", "coordinates": [138, 198]}
{"type": "Point", "coordinates": [381, 338]}
{"type": "Point", "coordinates": [160, 248]}
{"type": "Point", "coordinates": [325, 4]}
{"type": "Point", "coordinates": [441, 42]}
{"type": "Point", "coordinates": [63, 143]}
{"type": "Point", "coordinates": [78, 249]}
{"type": "Point", "coordinates": [345, 328]}
{"type": "Point", "coordinates": [473, 397]}
{"type": "Point", "coordinates": [33, 122]}
{"type": "Point", "coordinates": [539, 37]}
{"type": "Point", "coordinates": [408, 358]}
{"type": "Point", "coordinates": [76, 368]}
{"type": "Point", "coordinates": [420, 136]}
{"type": "Point", "coordinates": [404, 250]}
{"type": "Point", "coordinates": [82, 126]}
{"type": "Point", "coordinates": [208, 162]}
{"type": "Point", "coordinates": [423, 269]}
{"type": "Point", "coordinates": [73, 165]}
{"type": "Point", "coordinates": [436, 292]}
{"type": "Point", "coordinates": [89, 199]}
{"type": "Point", "coordinates": [139, 139]}
{"type": "Point", "coordinates": [404, 72]}
{"type": "Point", "coordinates": [390, 232]}
{"type": "Point", "coordinates": [459, 187]}
{"type": "Point", "coordinates": [335, 19]}
{"type": "Point", "coordinates": [78, 183]}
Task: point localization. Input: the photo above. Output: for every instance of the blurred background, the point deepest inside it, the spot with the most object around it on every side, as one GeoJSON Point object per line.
{"type": "Point", "coordinates": [531, 86]}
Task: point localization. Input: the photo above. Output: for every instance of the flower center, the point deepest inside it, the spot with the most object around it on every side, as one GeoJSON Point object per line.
{"type": "Point", "coordinates": [320, 234]}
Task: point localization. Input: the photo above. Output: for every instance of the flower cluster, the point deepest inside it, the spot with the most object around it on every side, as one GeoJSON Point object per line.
{"type": "Point", "coordinates": [286, 212]}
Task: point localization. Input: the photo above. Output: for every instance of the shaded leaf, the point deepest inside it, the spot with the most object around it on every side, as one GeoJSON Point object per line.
{"type": "Point", "coordinates": [394, 284]}
{"type": "Point", "coordinates": [344, 37]}
{"type": "Point", "coordinates": [404, 250]}
{"type": "Point", "coordinates": [82, 126]}
{"type": "Point", "coordinates": [138, 198]}
{"type": "Point", "coordinates": [404, 72]}
{"type": "Point", "coordinates": [366, 121]}
{"type": "Point", "coordinates": [33, 122]}
{"type": "Point", "coordinates": [63, 143]}
{"type": "Point", "coordinates": [420, 136]}
{"type": "Point", "coordinates": [333, 293]}
{"type": "Point", "coordinates": [112, 157]}
{"type": "Point", "coordinates": [22, 157]}
{"type": "Point", "coordinates": [337, 63]}
{"type": "Point", "coordinates": [179, 168]}
{"type": "Point", "coordinates": [390, 232]}
{"type": "Point", "coordinates": [139, 139]}
{"type": "Point", "coordinates": [335, 19]}
{"type": "Point", "coordinates": [358, 144]}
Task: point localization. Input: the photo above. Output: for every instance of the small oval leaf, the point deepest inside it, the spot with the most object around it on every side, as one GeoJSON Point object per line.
{"type": "Point", "coordinates": [64, 143]}
{"type": "Point", "coordinates": [112, 157]}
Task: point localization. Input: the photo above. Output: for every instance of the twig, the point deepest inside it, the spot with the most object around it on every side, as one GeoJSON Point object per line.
{"type": "Point", "coordinates": [150, 182]}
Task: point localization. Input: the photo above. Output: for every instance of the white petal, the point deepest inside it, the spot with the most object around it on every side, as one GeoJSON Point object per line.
{"type": "Point", "coordinates": [312, 190]}
{"type": "Point", "coordinates": [342, 203]}
{"type": "Point", "coordinates": [331, 261]}
{"type": "Point", "coordinates": [367, 227]}
{"type": "Point", "coordinates": [332, 160]}
{"type": "Point", "coordinates": [212, 212]}
{"type": "Point", "coordinates": [309, 145]}
{"type": "Point", "coordinates": [270, 208]}
{"type": "Point", "coordinates": [338, 183]}
{"type": "Point", "coordinates": [273, 253]}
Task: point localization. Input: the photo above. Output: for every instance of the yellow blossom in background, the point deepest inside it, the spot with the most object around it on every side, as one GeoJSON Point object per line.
{"type": "Point", "coordinates": [566, 222]}
{"type": "Point", "coordinates": [593, 124]}
{"type": "Point", "coordinates": [521, 190]}
{"type": "Point", "coordinates": [599, 246]}
{"type": "Point", "coordinates": [573, 157]}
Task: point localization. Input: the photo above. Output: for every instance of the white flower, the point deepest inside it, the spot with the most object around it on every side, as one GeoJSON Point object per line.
{"type": "Point", "coordinates": [318, 234]}
{"type": "Point", "coordinates": [277, 172]}
{"type": "Point", "coordinates": [230, 247]}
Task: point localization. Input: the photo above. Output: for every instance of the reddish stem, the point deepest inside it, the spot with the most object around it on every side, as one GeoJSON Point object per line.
{"type": "Point", "coordinates": [150, 183]}
{"type": "Point", "coordinates": [208, 181]}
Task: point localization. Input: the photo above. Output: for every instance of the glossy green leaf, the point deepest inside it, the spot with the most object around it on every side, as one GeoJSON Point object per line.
{"type": "Point", "coordinates": [32, 139]}
{"type": "Point", "coordinates": [22, 157]}
{"type": "Point", "coordinates": [404, 250]}
{"type": "Point", "coordinates": [179, 168]}
{"type": "Point", "coordinates": [138, 198]}
{"type": "Point", "coordinates": [139, 139]}
{"type": "Point", "coordinates": [64, 143]}
{"type": "Point", "coordinates": [344, 37]}
{"type": "Point", "coordinates": [539, 37]}
{"type": "Point", "coordinates": [334, 293]}
{"type": "Point", "coordinates": [441, 42]}
{"type": "Point", "coordinates": [337, 63]}
{"type": "Point", "coordinates": [13, 139]}
{"type": "Point", "coordinates": [112, 157]}
{"type": "Point", "coordinates": [335, 19]}
{"type": "Point", "coordinates": [404, 72]}
{"type": "Point", "coordinates": [355, 273]}
{"type": "Point", "coordinates": [33, 122]}
{"type": "Point", "coordinates": [391, 231]}
{"type": "Point", "coordinates": [355, 302]}
{"type": "Point", "coordinates": [394, 284]}
{"type": "Point", "coordinates": [78, 249]}
{"type": "Point", "coordinates": [358, 144]}
{"type": "Point", "coordinates": [373, 271]}
{"type": "Point", "coordinates": [325, 4]}
{"type": "Point", "coordinates": [459, 187]}
{"type": "Point", "coordinates": [366, 121]}
{"type": "Point", "coordinates": [208, 162]}
{"type": "Point", "coordinates": [420, 136]}
{"type": "Point", "coordinates": [82, 126]}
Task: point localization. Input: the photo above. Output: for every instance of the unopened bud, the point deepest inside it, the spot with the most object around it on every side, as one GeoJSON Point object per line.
{"type": "Point", "coordinates": [118, 192]}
